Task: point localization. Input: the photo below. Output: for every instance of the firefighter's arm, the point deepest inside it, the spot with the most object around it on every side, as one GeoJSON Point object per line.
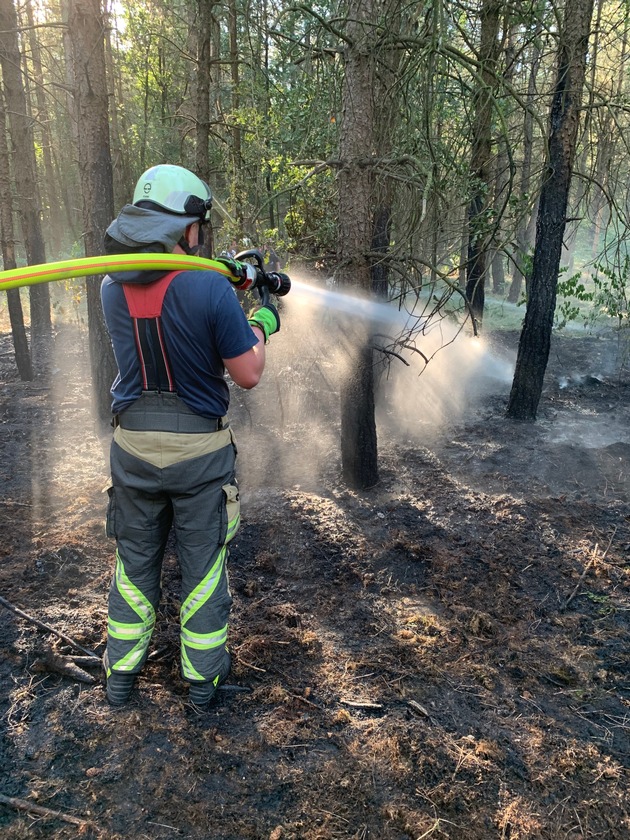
{"type": "Point", "coordinates": [247, 368]}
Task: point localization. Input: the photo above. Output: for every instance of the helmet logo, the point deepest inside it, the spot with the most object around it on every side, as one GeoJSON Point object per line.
{"type": "Point", "coordinates": [147, 188]}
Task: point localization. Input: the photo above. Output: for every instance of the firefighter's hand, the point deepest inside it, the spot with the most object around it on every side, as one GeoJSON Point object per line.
{"type": "Point", "coordinates": [266, 319]}
{"type": "Point", "coordinates": [240, 277]}
{"type": "Point", "coordinates": [235, 268]}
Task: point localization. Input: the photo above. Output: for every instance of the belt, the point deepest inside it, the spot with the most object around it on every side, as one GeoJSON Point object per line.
{"type": "Point", "coordinates": [183, 423]}
{"type": "Point", "coordinates": [154, 414]}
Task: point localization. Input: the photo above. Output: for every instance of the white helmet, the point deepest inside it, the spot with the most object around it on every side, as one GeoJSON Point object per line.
{"type": "Point", "coordinates": [174, 189]}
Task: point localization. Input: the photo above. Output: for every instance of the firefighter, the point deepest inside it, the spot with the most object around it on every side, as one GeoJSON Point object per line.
{"type": "Point", "coordinates": [173, 451]}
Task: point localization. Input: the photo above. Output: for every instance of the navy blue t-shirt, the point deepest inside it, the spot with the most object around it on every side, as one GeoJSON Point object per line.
{"type": "Point", "coordinates": [203, 323]}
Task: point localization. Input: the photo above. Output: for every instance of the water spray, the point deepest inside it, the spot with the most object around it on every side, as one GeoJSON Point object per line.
{"type": "Point", "coordinates": [364, 308]}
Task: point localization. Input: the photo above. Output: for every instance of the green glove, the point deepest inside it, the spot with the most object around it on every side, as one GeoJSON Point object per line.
{"type": "Point", "coordinates": [267, 319]}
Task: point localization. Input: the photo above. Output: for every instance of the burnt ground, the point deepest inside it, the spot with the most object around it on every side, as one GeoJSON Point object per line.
{"type": "Point", "coordinates": [446, 655]}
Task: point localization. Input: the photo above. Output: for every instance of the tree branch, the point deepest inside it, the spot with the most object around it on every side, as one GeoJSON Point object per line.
{"type": "Point", "coordinates": [23, 805]}
{"type": "Point", "coordinates": [9, 606]}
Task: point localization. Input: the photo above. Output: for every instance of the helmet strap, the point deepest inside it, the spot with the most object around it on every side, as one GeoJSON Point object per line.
{"type": "Point", "coordinates": [183, 243]}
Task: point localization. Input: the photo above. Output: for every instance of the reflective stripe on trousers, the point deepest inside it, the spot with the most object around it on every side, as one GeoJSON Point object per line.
{"type": "Point", "coordinates": [138, 633]}
{"type": "Point", "coordinates": [199, 598]}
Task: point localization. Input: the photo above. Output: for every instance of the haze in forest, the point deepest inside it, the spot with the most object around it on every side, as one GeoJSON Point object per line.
{"type": "Point", "coordinates": [425, 159]}
{"type": "Point", "coordinates": [416, 399]}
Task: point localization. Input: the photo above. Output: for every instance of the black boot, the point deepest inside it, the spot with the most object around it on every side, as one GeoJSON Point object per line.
{"type": "Point", "coordinates": [119, 684]}
{"type": "Point", "coordinates": [119, 688]}
{"type": "Point", "coordinates": [201, 693]}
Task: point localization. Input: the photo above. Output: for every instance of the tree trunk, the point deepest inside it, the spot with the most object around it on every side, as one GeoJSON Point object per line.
{"type": "Point", "coordinates": [95, 165]}
{"type": "Point", "coordinates": [16, 316]}
{"type": "Point", "coordinates": [385, 94]}
{"type": "Point", "coordinates": [523, 239]}
{"type": "Point", "coordinates": [381, 238]}
{"type": "Point", "coordinates": [355, 181]}
{"type": "Point", "coordinates": [504, 168]}
{"type": "Point", "coordinates": [267, 84]}
{"type": "Point", "coordinates": [25, 175]}
{"type": "Point", "coordinates": [498, 272]}
{"type": "Point", "coordinates": [237, 154]}
{"type": "Point", "coordinates": [581, 199]}
{"type": "Point", "coordinates": [535, 341]}
{"type": "Point", "coordinates": [463, 252]}
{"type": "Point", "coordinates": [121, 166]}
{"type": "Point", "coordinates": [479, 237]}
{"type": "Point", "coordinates": [68, 192]}
{"type": "Point", "coordinates": [202, 117]}
{"type": "Point", "coordinates": [53, 217]}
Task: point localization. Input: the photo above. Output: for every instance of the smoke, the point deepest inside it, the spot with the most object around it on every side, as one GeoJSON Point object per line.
{"type": "Point", "coordinates": [296, 405]}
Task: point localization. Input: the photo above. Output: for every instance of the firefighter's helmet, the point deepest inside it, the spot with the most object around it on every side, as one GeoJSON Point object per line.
{"type": "Point", "coordinates": [175, 190]}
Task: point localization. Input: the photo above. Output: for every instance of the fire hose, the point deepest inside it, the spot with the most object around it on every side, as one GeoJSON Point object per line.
{"type": "Point", "coordinates": [245, 271]}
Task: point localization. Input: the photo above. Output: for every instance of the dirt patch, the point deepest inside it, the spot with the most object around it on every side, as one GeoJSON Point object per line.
{"type": "Point", "coordinates": [444, 656]}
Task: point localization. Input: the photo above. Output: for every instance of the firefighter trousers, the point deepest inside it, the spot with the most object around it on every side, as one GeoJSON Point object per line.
{"type": "Point", "coordinates": [185, 482]}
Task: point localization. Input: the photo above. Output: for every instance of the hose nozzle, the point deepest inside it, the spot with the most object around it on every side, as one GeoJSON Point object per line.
{"type": "Point", "coordinates": [265, 283]}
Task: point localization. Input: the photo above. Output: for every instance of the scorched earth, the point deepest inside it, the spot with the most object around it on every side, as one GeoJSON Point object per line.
{"type": "Point", "coordinates": [446, 655]}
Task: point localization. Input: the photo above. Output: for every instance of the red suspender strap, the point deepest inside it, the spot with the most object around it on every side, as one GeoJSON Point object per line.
{"type": "Point", "coordinates": [145, 300]}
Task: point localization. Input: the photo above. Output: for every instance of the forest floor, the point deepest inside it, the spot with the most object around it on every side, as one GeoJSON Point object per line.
{"type": "Point", "coordinates": [446, 655]}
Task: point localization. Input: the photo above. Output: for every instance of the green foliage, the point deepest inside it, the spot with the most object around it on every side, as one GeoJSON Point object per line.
{"type": "Point", "coordinates": [153, 60]}
{"type": "Point", "coordinates": [310, 221]}
{"type": "Point", "coordinates": [611, 295]}
{"type": "Point", "coordinates": [283, 98]}
{"type": "Point", "coordinates": [570, 293]}
{"type": "Point", "coordinates": [607, 298]}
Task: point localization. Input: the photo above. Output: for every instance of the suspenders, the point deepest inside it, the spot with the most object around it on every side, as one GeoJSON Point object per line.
{"type": "Point", "coordinates": [145, 308]}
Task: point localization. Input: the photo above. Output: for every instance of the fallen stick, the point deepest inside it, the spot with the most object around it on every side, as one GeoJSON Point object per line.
{"type": "Point", "coordinates": [591, 562]}
{"type": "Point", "coordinates": [47, 627]}
{"type": "Point", "coordinates": [579, 583]}
{"type": "Point", "coordinates": [22, 805]}
{"type": "Point", "coordinates": [361, 704]}
{"type": "Point", "coordinates": [418, 709]}
{"type": "Point", "coordinates": [86, 661]}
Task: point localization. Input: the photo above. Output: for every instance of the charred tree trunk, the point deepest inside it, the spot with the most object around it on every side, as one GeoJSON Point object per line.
{"type": "Point", "coordinates": [535, 341]}
{"type": "Point", "coordinates": [358, 424]}
{"type": "Point", "coordinates": [25, 176]}
{"type": "Point", "coordinates": [7, 233]}
{"type": "Point", "coordinates": [95, 165]}
{"type": "Point", "coordinates": [202, 81]}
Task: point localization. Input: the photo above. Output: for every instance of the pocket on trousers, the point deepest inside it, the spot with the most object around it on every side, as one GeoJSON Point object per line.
{"type": "Point", "coordinates": [231, 512]}
{"type": "Point", "coordinates": [110, 519]}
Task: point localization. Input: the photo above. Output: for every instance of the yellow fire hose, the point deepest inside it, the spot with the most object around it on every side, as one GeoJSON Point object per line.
{"type": "Point", "coordinates": [30, 275]}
